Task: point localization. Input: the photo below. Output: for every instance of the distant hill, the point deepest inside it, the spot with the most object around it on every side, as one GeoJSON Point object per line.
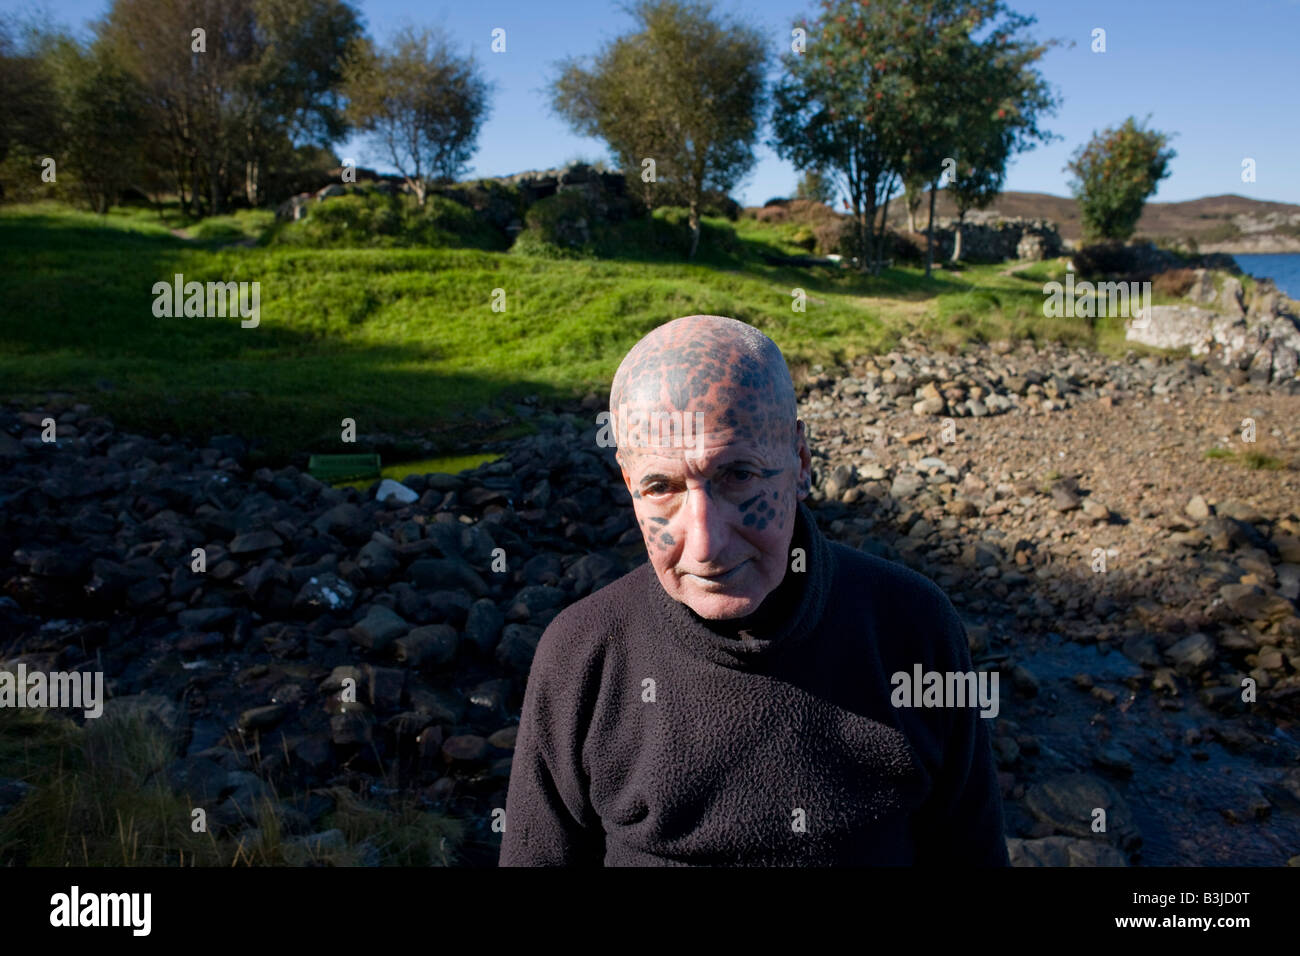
{"type": "Point", "coordinates": [1217, 223]}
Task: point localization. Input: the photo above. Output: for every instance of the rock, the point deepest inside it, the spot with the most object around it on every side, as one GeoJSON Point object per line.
{"type": "Point", "coordinates": [535, 600]}
{"type": "Point", "coordinates": [1197, 509]}
{"type": "Point", "coordinates": [464, 748]}
{"type": "Point", "coordinates": [396, 490]}
{"type": "Point", "coordinates": [1063, 499]}
{"type": "Point", "coordinates": [352, 727]}
{"type": "Point", "coordinates": [253, 541]}
{"type": "Point", "coordinates": [929, 406]}
{"type": "Point", "coordinates": [1067, 803]}
{"type": "Point", "coordinates": [1231, 296]}
{"type": "Point", "coordinates": [325, 592]}
{"type": "Point", "coordinates": [518, 644]}
{"type": "Point", "coordinates": [432, 646]}
{"type": "Point", "coordinates": [1254, 603]}
{"type": "Point", "coordinates": [346, 522]}
{"type": "Point", "coordinates": [379, 628]}
{"type": "Point", "coordinates": [1024, 680]}
{"type": "Point", "coordinates": [1115, 759]}
{"type": "Point", "coordinates": [379, 561]}
{"type": "Point", "coordinates": [201, 779]}
{"type": "Point", "coordinates": [262, 718]}
{"type": "Point", "coordinates": [431, 573]}
{"type": "Point", "coordinates": [206, 618]}
{"type": "Point", "coordinates": [1288, 547]}
{"type": "Point", "coordinates": [1191, 653]}
{"type": "Point", "coordinates": [1063, 851]}
{"type": "Point", "coordinates": [905, 485]}
{"type": "Point", "coordinates": [385, 687]}
{"type": "Point", "coordinates": [1095, 509]}
{"type": "Point", "coordinates": [483, 625]}
{"type": "Point", "coordinates": [842, 478]}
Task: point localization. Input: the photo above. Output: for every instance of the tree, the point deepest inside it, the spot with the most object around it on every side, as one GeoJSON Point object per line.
{"type": "Point", "coordinates": [687, 91]}
{"type": "Point", "coordinates": [28, 102]}
{"type": "Point", "coordinates": [298, 82]}
{"type": "Point", "coordinates": [969, 88]}
{"type": "Point", "coordinates": [913, 196]}
{"type": "Point", "coordinates": [815, 185]}
{"type": "Point", "coordinates": [1114, 173]}
{"type": "Point", "coordinates": [261, 78]}
{"type": "Point", "coordinates": [1006, 97]}
{"type": "Point", "coordinates": [422, 105]}
{"type": "Point", "coordinates": [831, 111]}
{"type": "Point", "coordinates": [101, 118]}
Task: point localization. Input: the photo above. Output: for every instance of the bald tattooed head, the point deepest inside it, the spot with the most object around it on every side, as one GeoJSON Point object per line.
{"type": "Point", "coordinates": [716, 366]}
{"type": "Point", "coordinates": [716, 493]}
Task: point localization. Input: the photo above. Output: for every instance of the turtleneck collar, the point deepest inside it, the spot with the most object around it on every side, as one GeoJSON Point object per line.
{"type": "Point", "coordinates": [787, 616]}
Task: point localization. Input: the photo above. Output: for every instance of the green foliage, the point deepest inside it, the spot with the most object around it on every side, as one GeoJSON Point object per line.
{"type": "Point", "coordinates": [1114, 174]}
{"type": "Point", "coordinates": [373, 219]}
{"type": "Point", "coordinates": [242, 226]}
{"type": "Point", "coordinates": [817, 186]}
{"type": "Point", "coordinates": [884, 91]}
{"type": "Point", "coordinates": [406, 336]}
{"type": "Point", "coordinates": [562, 227]}
{"type": "Point", "coordinates": [687, 90]}
{"type": "Point", "coordinates": [421, 104]}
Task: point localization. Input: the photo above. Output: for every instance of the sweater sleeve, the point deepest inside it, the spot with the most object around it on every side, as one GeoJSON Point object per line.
{"type": "Point", "coordinates": [962, 822]}
{"type": "Point", "coordinates": [549, 817]}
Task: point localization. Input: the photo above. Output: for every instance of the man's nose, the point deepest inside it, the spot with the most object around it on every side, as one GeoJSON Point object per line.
{"type": "Point", "coordinates": [706, 528]}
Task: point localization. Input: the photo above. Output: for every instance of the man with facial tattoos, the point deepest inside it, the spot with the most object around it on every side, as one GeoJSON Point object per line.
{"type": "Point", "coordinates": [728, 703]}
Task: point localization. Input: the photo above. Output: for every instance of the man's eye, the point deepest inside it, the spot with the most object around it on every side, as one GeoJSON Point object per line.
{"type": "Point", "coordinates": [742, 475]}
{"type": "Point", "coordinates": [657, 488]}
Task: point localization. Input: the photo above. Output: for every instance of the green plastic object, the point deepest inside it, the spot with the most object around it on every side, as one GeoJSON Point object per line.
{"type": "Point", "coordinates": [335, 468]}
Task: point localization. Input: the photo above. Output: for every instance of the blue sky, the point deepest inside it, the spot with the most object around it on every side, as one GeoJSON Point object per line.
{"type": "Point", "coordinates": [1224, 76]}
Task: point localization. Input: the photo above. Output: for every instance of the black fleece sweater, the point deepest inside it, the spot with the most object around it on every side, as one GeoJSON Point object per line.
{"type": "Point", "coordinates": [650, 738]}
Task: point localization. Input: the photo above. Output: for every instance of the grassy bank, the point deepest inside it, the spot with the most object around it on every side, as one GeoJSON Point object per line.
{"type": "Point", "coordinates": [407, 339]}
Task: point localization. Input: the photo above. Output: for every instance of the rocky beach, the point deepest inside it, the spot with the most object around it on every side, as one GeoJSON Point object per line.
{"type": "Point", "coordinates": [1119, 554]}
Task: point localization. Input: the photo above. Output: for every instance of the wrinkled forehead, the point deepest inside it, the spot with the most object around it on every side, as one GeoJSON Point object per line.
{"type": "Point", "coordinates": [670, 443]}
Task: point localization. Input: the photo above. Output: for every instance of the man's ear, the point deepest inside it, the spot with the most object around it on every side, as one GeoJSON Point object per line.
{"type": "Point", "coordinates": [804, 486]}
{"type": "Point", "coordinates": [622, 470]}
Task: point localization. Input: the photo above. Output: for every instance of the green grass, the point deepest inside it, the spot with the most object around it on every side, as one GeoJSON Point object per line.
{"type": "Point", "coordinates": [99, 798]}
{"type": "Point", "coordinates": [405, 338]}
{"type": "Point", "coordinates": [1254, 460]}
{"type": "Point", "coordinates": [448, 464]}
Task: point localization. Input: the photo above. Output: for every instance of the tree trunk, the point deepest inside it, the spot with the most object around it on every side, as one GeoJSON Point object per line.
{"type": "Point", "coordinates": [911, 218]}
{"type": "Point", "coordinates": [694, 222]}
{"type": "Point", "coordinates": [929, 232]}
{"type": "Point", "coordinates": [956, 237]}
{"type": "Point", "coordinates": [250, 181]}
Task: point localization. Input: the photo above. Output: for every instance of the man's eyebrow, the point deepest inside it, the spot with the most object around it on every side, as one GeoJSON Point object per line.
{"type": "Point", "coordinates": [656, 476]}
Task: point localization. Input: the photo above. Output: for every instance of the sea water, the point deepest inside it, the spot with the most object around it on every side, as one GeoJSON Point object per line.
{"type": "Point", "coordinates": [1282, 267]}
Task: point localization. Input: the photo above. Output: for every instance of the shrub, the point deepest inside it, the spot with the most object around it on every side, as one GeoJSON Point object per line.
{"type": "Point", "coordinates": [1103, 259]}
{"type": "Point", "coordinates": [1173, 282]}
{"type": "Point", "coordinates": [834, 237]}
{"type": "Point", "coordinates": [371, 218]}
